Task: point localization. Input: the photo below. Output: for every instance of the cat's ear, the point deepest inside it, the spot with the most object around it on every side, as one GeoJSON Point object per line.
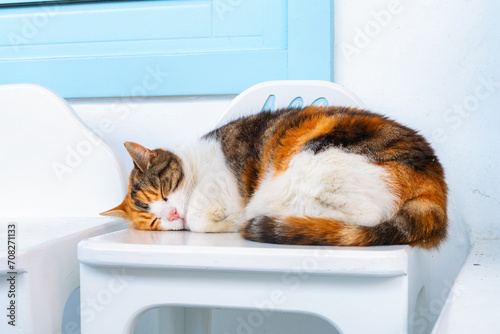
{"type": "Point", "coordinates": [119, 212]}
{"type": "Point", "coordinates": [141, 155]}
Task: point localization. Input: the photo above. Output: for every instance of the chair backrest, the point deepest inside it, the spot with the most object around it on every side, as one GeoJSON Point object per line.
{"type": "Point", "coordinates": [273, 95]}
{"type": "Point", "coordinates": [51, 164]}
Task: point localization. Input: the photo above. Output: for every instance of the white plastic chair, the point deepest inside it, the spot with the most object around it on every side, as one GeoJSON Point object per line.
{"type": "Point", "coordinates": [56, 177]}
{"type": "Point", "coordinates": [357, 290]}
{"type": "Point", "coordinates": [273, 95]}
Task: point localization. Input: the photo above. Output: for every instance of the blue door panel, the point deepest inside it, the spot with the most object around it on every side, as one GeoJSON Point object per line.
{"type": "Point", "coordinates": [111, 49]}
{"type": "Point", "coordinates": [201, 74]}
{"type": "Point", "coordinates": [106, 22]}
{"type": "Point", "coordinates": [310, 46]}
{"type": "Point", "coordinates": [17, 2]}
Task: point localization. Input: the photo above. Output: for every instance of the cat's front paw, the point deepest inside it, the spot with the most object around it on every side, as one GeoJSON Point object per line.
{"type": "Point", "coordinates": [216, 214]}
{"type": "Point", "coordinates": [213, 219]}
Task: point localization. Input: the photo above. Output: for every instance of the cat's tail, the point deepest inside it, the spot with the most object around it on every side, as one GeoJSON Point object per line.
{"type": "Point", "coordinates": [425, 228]}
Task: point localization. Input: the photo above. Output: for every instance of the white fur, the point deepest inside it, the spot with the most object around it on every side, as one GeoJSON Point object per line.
{"type": "Point", "coordinates": [161, 209]}
{"type": "Point", "coordinates": [332, 184]}
{"type": "Point", "coordinates": [207, 199]}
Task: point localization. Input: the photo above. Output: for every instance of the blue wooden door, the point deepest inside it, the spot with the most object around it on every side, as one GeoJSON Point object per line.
{"type": "Point", "coordinates": [86, 49]}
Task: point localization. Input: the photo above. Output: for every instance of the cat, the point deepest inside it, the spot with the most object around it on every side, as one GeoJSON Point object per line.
{"type": "Point", "coordinates": [303, 176]}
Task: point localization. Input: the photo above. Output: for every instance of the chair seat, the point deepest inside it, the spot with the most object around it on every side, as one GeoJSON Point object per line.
{"type": "Point", "coordinates": [229, 251]}
{"type": "Point", "coordinates": [222, 270]}
{"type": "Point", "coordinates": [33, 235]}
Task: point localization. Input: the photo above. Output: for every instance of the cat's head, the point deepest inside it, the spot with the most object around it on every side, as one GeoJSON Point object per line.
{"type": "Point", "coordinates": [154, 200]}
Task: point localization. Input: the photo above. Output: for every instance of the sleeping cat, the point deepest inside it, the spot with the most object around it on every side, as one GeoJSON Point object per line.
{"type": "Point", "coordinates": [312, 176]}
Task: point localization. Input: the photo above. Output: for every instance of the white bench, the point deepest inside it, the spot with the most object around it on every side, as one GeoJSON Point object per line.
{"type": "Point", "coordinates": [473, 305]}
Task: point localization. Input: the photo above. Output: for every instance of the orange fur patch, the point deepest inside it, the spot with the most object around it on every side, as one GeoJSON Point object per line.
{"type": "Point", "coordinates": [141, 220]}
{"type": "Point", "coordinates": [331, 231]}
{"type": "Point", "coordinates": [286, 143]}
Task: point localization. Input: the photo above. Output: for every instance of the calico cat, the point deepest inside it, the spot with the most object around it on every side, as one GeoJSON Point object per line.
{"type": "Point", "coordinates": [305, 176]}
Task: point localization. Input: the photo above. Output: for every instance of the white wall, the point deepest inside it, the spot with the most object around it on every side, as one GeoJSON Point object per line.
{"type": "Point", "coordinates": [435, 66]}
{"type": "Point", "coordinates": [155, 122]}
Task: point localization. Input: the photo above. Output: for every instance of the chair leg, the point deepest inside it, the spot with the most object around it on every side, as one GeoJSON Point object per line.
{"type": "Point", "coordinates": [109, 300]}
{"type": "Point", "coordinates": [45, 289]}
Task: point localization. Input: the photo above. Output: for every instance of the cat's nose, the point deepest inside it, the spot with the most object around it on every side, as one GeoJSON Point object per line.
{"type": "Point", "coordinates": [173, 215]}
